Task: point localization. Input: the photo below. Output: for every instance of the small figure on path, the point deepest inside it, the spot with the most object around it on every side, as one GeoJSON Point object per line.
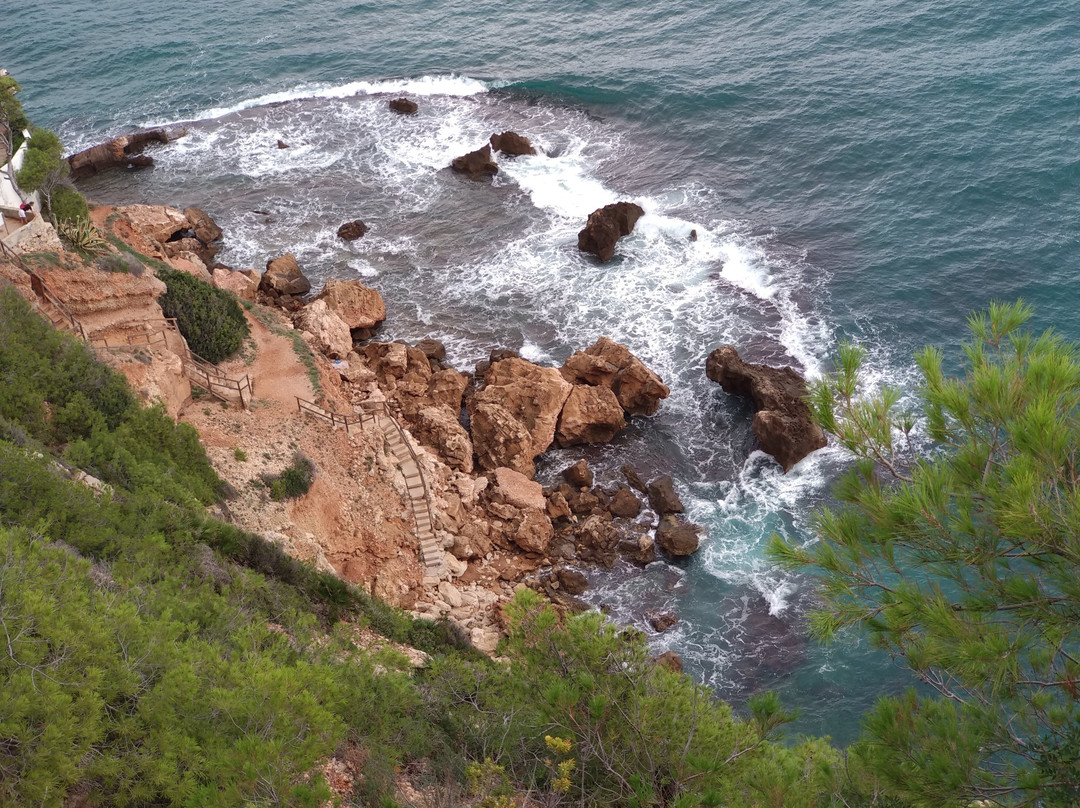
{"type": "Point", "coordinates": [24, 209]}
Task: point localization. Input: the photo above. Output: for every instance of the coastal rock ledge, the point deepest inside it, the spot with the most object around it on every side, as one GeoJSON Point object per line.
{"type": "Point", "coordinates": [605, 226]}
{"type": "Point", "coordinates": [782, 422]}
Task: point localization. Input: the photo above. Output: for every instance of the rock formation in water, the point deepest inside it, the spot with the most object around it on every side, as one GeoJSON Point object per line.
{"type": "Point", "coordinates": [782, 421]}
{"type": "Point", "coordinates": [283, 277]}
{"type": "Point", "coordinates": [606, 226]}
{"type": "Point", "coordinates": [512, 143]}
{"type": "Point", "coordinates": [356, 304]}
{"type": "Point", "coordinates": [609, 364]}
{"type": "Point", "coordinates": [476, 164]}
{"type": "Point", "coordinates": [120, 152]}
{"type": "Point", "coordinates": [403, 106]}
{"type": "Point", "coordinates": [350, 231]}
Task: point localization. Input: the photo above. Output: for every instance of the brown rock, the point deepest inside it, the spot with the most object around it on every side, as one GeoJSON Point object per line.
{"type": "Point", "coordinates": [157, 221]}
{"type": "Point", "coordinates": [119, 152]}
{"type": "Point", "coordinates": [533, 531]}
{"type": "Point", "coordinates": [609, 364]}
{"type": "Point", "coordinates": [572, 582]}
{"type": "Point", "coordinates": [356, 304]}
{"type": "Point", "coordinates": [782, 423]}
{"type": "Point", "coordinates": [331, 335]}
{"type": "Point", "coordinates": [557, 507]}
{"type": "Point", "coordinates": [590, 415]}
{"type": "Point", "coordinates": [624, 503]}
{"type": "Point", "coordinates": [606, 226]}
{"type": "Point", "coordinates": [281, 144]}
{"type": "Point", "coordinates": [638, 549]}
{"type": "Point", "coordinates": [519, 490]}
{"type": "Point", "coordinates": [350, 231]}
{"type": "Point", "coordinates": [446, 387]}
{"type": "Point", "coordinates": [597, 540]}
{"type": "Point", "coordinates": [433, 349]}
{"type": "Point", "coordinates": [632, 477]}
{"type": "Point", "coordinates": [519, 399]}
{"type": "Point", "coordinates": [661, 621]}
{"type": "Point", "coordinates": [476, 164]}
{"type": "Point", "coordinates": [669, 660]}
{"type": "Point", "coordinates": [676, 537]}
{"type": "Point", "coordinates": [662, 496]}
{"type": "Point", "coordinates": [512, 143]}
{"type": "Point", "coordinates": [439, 428]}
{"type": "Point", "coordinates": [206, 229]}
{"type": "Point", "coordinates": [403, 106]}
{"type": "Point", "coordinates": [579, 475]}
{"type": "Point", "coordinates": [237, 282]}
{"type": "Point", "coordinates": [284, 277]}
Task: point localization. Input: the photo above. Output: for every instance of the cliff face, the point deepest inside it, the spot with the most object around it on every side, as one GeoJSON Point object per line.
{"type": "Point", "coordinates": [104, 301]}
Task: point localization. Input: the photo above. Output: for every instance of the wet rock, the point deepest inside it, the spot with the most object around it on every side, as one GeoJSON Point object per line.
{"type": "Point", "coordinates": [662, 496]}
{"type": "Point", "coordinates": [283, 277]}
{"type": "Point", "coordinates": [357, 305]}
{"type": "Point", "coordinates": [281, 144]}
{"type": "Point", "coordinates": [624, 503]}
{"type": "Point", "coordinates": [572, 582]}
{"type": "Point", "coordinates": [205, 228]}
{"type": "Point", "coordinates": [433, 349]}
{"type": "Point", "coordinates": [590, 415]}
{"type": "Point", "coordinates": [119, 152]}
{"type": "Point", "coordinates": [597, 540]}
{"type": "Point", "coordinates": [639, 549]}
{"type": "Point", "coordinates": [676, 537]}
{"type": "Point", "coordinates": [351, 231]}
{"type": "Point", "coordinates": [782, 423]}
{"type": "Point", "coordinates": [512, 143]}
{"type": "Point", "coordinates": [477, 164]}
{"type": "Point", "coordinates": [403, 106]}
{"type": "Point", "coordinates": [606, 226]}
{"type": "Point", "coordinates": [635, 480]}
{"type": "Point", "coordinates": [610, 364]}
{"type": "Point", "coordinates": [661, 621]}
{"type": "Point", "coordinates": [579, 475]}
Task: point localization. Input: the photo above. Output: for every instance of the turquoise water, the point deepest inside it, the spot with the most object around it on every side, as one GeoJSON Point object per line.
{"type": "Point", "coordinates": [867, 169]}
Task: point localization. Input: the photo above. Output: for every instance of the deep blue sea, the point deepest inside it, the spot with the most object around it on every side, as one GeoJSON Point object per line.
{"type": "Point", "coordinates": [855, 168]}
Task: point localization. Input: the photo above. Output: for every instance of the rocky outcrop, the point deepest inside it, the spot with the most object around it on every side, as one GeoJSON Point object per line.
{"type": "Point", "coordinates": [351, 231]}
{"type": "Point", "coordinates": [579, 475]}
{"type": "Point", "coordinates": [205, 228]}
{"type": "Point", "coordinates": [439, 428]}
{"type": "Point", "coordinates": [624, 503]}
{"type": "Point", "coordinates": [590, 415]}
{"type": "Point", "coordinates": [512, 143]}
{"type": "Point", "coordinates": [513, 418]}
{"type": "Point", "coordinates": [609, 364]}
{"type": "Point", "coordinates": [606, 226]}
{"type": "Point", "coordinates": [329, 333]}
{"type": "Point", "coordinates": [403, 106]}
{"type": "Point", "coordinates": [283, 277]}
{"type": "Point", "coordinates": [239, 283]}
{"type": "Point", "coordinates": [102, 300]}
{"type": "Point", "coordinates": [677, 537]}
{"type": "Point", "coordinates": [597, 540]}
{"type": "Point", "coordinates": [120, 152]}
{"type": "Point", "coordinates": [782, 421]}
{"type": "Point", "coordinates": [356, 304]}
{"type": "Point", "coordinates": [477, 164]}
{"type": "Point", "coordinates": [662, 496]}
{"type": "Point", "coordinates": [519, 490]}
{"type": "Point", "coordinates": [159, 222]}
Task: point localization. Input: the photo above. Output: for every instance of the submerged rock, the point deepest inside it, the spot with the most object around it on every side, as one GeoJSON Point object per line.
{"type": "Point", "coordinates": [512, 143]}
{"type": "Point", "coordinates": [403, 106]}
{"type": "Point", "coordinates": [782, 423]}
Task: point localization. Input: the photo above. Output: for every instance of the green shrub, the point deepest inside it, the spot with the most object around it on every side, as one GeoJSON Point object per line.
{"type": "Point", "coordinates": [67, 205]}
{"type": "Point", "coordinates": [81, 236]}
{"type": "Point", "coordinates": [44, 158]}
{"type": "Point", "coordinates": [294, 481]}
{"type": "Point", "coordinates": [210, 319]}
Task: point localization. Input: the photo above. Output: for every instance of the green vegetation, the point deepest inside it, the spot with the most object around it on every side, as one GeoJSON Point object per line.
{"type": "Point", "coordinates": [240, 455]}
{"type": "Point", "coordinates": [68, 205]}
{"type": "Point", "coordinates": [12, 118]}
{"type": "Point", "coordinates": [965, 564]}
{"type": "Point", "coordinates": [80, 236]}
{"type": "Point", "coordinates": [209, 318]}
{"type": "Point", "coordinates": [294, 481]}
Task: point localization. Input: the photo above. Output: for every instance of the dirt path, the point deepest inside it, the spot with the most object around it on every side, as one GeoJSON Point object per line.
{"type": "Point", "coordinates": [277, 374]}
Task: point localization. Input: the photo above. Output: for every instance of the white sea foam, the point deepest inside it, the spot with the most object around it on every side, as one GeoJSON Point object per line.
{"type": "Point", "coordinates": [449, 85]}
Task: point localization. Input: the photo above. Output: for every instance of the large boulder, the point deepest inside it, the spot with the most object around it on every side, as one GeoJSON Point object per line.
{"type": "Point", "coordinates": [624, 503]}
{"type": "Point", "coordinates": [677, 537]}
{"type": "Point", "coordinates": [403, 106]}
{"type": "Point", "coordinates": [590, 415]}
{"type": "Point", "coordinates": [519, 490]}
{"type": "Point", "coordinates": [356, 304]}
{"type": "Point", "coordinates": [446, 387]}
{"type": "Point", "coordinates": [609, 364]}
{"type": "Point", "coordinates": [513, 418]}
{"type": "Point", "coordinates": [782, 421]}
{"type": "Point", "coordinates": [512, 143]}
{"type": "Point", "coordinates": [579, 475]}
{"type": "Point", "coordinates": [330, 334]}
{"type": "Point", "coordinates": [439, 428]}
{"type": "Point", "coordinates": [283, 277]}
{"type": "Point", "coordinates": [237, 282]}
{"type": "Point", "coordinates": [532, 531]}
{"type": "Point", "coordinates": [606, 226]}
{"type": "Point", "coordinates": [662, 496]}
{"type": "Point", "coordinates": [159, 222]}
{"type": "Point", "coordinates": [120, 152]}
{"type": "Point", "coordinates": [476, 164]}
{"type": "Point", "coordinates": [351, 231]}
{"type": "Point", "coordinates": [206, 229]}
{"type": "Point", "coordinates": [597, 540]}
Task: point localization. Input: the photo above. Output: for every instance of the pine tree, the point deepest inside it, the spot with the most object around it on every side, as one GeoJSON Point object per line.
{"type": "Point", "coordinates": [963, 558]}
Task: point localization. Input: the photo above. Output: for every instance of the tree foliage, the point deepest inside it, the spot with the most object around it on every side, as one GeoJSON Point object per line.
{"type": "Point", "coordinates": [963, 558]}
{"type": "Point", "coordinates": [209, 318]}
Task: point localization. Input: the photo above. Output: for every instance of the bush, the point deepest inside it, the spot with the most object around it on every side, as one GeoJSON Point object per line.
{"type": "Point", "coordinates": [81, 236]}
{"type": "Point", "coordinates": [67, 205]}
{"type": "Point", "coordinates": [294, 481]}
{"type": "Point", "coordinates": [44, 158]}
{"type": "Point", "coordinates": [210, 319]}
